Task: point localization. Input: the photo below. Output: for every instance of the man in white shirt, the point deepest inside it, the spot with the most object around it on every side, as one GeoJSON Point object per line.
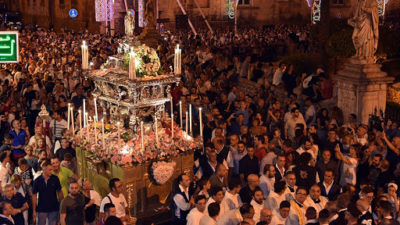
{"type": "Point", "coordinates": [211, 218]}
{"type": "Point", "coordinates": [194, 216]}
{"type": "Point", "coordinates": [182, 200]}
{"type": "Point", "coordinates": [290, 125]}
{"type": "Point", "coordinates": [314, 199]}
{"type": "Point", "coordinates": [306, 146]}
{"type": "Point", "coordinates": [311, 114]}
{"type": "Point", "coordinates": [266, 216]}
{"type": "Point", "coordinates": [258, 203]}
{"type": "Point", "coordinates": [279, 217]}
{"type": "Point", "coordinates": [117, 198]}
{"type": "Point", "coordinates": [291, 185]}
{"type": "Point", "coordinates": [362, 135]}
{"type": "Point", "coordinates": [231, 197]}
{"type": "Point", "coordinates": [217, 195]}
{"type": "Point", "coordinates": [267, 179]}
{"type": "Point", "coordinates": [277, 78]}
{"type": "Point", "coordinates": [275, 197]}
{"type": "Point", "coordinates": [297, 208]}
{"type": "Point", "coordinates": [233, 217]}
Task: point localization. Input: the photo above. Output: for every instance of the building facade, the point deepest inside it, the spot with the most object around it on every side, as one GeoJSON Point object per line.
{"type": "Point", "coordinates": [218, 12]}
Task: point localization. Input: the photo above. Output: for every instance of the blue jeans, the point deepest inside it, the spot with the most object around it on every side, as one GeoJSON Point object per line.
{"type": "Point", "coordinates": [51, 218]}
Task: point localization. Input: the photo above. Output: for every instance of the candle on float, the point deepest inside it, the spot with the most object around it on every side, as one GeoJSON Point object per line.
{"type": "Point", "coordinates": [119, 134]}
{"type": "Point", "coordinates": [172, 105]}
{"type": "Point", "coordinates": [102, 136]}
{"type": "Point", "coordinates": [84, 113]}
{"type": "Point", "coordinates": [80, 122]}
{"type": "Point", "coordinates": [95, 110]}
{"type": "Point", "coordinates": [85, 56]}
{"type": "Point", "coordinates": [201, 122]}
{"type": "Point", "coordinates": [69, 115]}
{"type": "Point", "coordinates": [156, 128]}
{"type": "Point", "coordinates": [142, 135]}
{"type": "Point", "coordinates": [172, 127]}
{"type": "Point", "coordinates": [132, 65]}
{"type": "Point", "coordinates": [95, 132]}
{"type": "Point", "coordinates": [190, 119]}
{"type": "Point", "coordinates": [86, 118]}
{"type": "Point", "coordinates": [72, 120]}
{"type": "Point", "coordinates": [177, 60]}
{"type": "Point", "coordinates": [187, 122]}
{"type": "Point", "coordinates": [180, 113]}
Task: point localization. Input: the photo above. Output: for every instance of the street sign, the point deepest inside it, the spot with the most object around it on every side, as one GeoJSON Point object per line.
{"type": "Point", "coordinates": [73, 13]}
{"type": "Point", "coordinates": [9, 49]}
{"type": "Point", "coordinates": [131, 12]}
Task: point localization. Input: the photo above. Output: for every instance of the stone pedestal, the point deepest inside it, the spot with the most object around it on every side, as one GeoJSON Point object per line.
{"type": "Point", "coordinates": [362, 88]}
{"type": "Point", "coordinates": [150, 36]}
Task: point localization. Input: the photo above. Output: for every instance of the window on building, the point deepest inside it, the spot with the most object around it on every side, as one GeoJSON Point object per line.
{"type": "Point", "coordinates": [42, 3]}
{"type": "Point", "coordinates": [338, 2]}
{"type": "Point", "coordinates": [34, 2]}
{"type": "Point", "coordinates": [244, 2]}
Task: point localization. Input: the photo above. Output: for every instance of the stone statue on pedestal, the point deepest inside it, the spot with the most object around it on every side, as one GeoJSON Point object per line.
{"type": "Point", "coordinates": [362, 85]}
{"type": "Point", "coordinates": [150, 35]}
{"type": "Point", "coordinates": [129, 24]}
{"type": "Point", "coordinates": [150, 13]}
{"type": "Point", "coordinates": [366, 32]}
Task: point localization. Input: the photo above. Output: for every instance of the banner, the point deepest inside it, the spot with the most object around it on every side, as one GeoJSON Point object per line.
{"type": "Point", "coordinates": [141, 13]}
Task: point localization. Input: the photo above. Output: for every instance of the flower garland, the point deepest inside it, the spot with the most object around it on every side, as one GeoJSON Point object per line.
{"type": "Point", "coordinates": [162, 171]}
{"type": "Point", "coordinates": [147, 61]}
{"type": "Point", "coordinates": [127, 149]}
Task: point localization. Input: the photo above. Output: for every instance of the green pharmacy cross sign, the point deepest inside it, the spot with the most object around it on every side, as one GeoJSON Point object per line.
{"type": "Point", "coordinates": [9, 52]}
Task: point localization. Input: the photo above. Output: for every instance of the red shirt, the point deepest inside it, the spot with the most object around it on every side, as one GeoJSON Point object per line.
{"type": "Point", "coordinates": [259, 153]}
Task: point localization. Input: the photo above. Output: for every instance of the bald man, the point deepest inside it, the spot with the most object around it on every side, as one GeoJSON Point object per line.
{"type": "Point", "coordinates": [315, 199]}
{"type": "Point", "coordinates": [366, 217]}
{"type": "Point", "coordinates": [246, 193]}
{"type": "Point", "coordinates": [266, 215]}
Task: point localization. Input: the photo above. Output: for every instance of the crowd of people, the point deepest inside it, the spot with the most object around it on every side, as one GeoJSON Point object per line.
{"type": "Point", "coordinates": [285, 155]}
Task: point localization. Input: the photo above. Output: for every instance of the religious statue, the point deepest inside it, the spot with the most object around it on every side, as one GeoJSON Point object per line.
{"type": "Point", "coordinates": [366, 32]}
{"type": "Point", "coordinates": [150, 13]}
{"type": "Point", "coordinates": [129, 24]}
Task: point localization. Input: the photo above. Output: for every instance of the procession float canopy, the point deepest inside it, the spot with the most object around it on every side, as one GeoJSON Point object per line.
{"type": "Point", "coordinates": [133, 92]}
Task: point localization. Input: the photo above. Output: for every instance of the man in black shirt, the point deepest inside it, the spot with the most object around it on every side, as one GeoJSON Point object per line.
{"type": "Point", "coordinates": [5, 213]}
{"type": "Point", "coordinates": [332, 141]}
{"type": "Point", "coordinates": [17, 201]}
{"type": "Point", "coordinates": [65, 148]}
{"type": "Point", "coordinates": [248, 165]}
{"type": "Point", "coordinates": [48, 187]}
{"type": "Point", "coordinates": [246, 193]}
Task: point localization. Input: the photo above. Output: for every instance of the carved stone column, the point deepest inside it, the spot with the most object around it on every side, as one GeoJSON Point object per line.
{"type": "Point", "coordinates": [362, 88]}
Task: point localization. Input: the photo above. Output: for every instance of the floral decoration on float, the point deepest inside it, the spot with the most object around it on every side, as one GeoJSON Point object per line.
{"type": "Point", "coordinates": [126, 148]}
{"type": "Point", "coordinates": [146, 60]}
{"type": "Point", "coordinates": [161, 171]}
